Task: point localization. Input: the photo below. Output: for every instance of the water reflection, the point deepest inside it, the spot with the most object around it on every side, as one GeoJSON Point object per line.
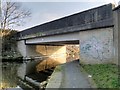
{"type": "Point", "coordinates": [9, 74]}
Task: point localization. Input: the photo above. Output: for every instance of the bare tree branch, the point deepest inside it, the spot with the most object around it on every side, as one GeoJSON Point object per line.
{"type": "Point", "coordinates": [12, 15]}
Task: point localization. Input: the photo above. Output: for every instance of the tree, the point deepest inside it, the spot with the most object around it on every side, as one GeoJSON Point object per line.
{"type": "Point", "coordinates": [12, 15]}
{"type": "Point", "coordinates": [9, 43]}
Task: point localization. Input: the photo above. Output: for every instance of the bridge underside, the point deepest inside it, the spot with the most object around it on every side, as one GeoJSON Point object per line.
{"type": "Point", "coordinates": [63, 39]}
{"type": "Point", "coordinates": [57, 43]}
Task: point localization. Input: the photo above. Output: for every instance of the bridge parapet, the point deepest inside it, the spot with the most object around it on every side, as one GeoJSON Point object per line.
{"type": "Point", "coordinates": [86, 20]}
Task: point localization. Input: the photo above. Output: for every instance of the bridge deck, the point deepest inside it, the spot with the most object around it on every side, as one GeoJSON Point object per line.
{"type": "Point", "coordinates": [86, 20]}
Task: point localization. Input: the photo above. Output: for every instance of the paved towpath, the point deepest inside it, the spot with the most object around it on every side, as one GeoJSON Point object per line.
{"type": "Point", "coordinates": [73, 77]}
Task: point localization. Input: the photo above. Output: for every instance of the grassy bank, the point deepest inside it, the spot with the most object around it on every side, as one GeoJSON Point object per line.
{"type": "Point", "coordinates": [104, 75]}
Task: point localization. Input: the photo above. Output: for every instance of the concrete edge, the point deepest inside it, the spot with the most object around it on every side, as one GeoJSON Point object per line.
{"type": "Point", "coordinates": [56, 78]}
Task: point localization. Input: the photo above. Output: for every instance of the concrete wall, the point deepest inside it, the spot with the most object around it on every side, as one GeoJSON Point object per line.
{"type": "Point", "coordinates": [22, 48]}
{"type": "Point", "coordinates": [96, 46]}
{"type": "Point", "coordinates": [27, 50]}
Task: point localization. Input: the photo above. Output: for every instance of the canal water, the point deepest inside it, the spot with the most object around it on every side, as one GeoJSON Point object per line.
{"type": "Point", "coordinates": [9, 74]}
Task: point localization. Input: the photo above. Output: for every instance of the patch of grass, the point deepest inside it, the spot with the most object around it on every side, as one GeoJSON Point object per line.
{"type": "Point", "coordinates": [104, 75]}
{"type": "Point", "coordinates": [58, 68]}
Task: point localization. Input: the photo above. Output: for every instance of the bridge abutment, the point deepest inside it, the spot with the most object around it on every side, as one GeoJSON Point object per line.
{"type": "Point", "coordinates": [96, 46]}
{"type": "Point", "coordinates": [27, 51]}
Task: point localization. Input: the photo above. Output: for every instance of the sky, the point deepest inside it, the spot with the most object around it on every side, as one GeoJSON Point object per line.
{"type": "Point", "coordinates": [48, 10]}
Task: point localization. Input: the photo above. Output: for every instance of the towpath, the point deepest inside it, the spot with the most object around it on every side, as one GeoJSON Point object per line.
{"type": "Point", "coordinates": [73, 77]}
{"type": "Point", "coordinates": [70, 76]}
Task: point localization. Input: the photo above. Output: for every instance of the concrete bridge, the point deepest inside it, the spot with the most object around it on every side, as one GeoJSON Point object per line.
{"type": "Point", "coordinates": [94, 30]}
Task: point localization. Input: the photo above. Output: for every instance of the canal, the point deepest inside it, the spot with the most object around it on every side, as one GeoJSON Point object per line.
{"type": "Point", "coordinates": [11, 79]}
{"type": "Point", "coordinates": [9, 74]}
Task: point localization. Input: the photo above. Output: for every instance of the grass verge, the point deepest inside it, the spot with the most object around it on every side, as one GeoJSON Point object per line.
{"type": "Point", "coordinates": [58, 68]}
{"type": "Point", "coordinates": [104, 75]}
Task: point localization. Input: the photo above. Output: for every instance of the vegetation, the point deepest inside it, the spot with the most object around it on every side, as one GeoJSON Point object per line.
{"type": "Point", "coordinates": [104, 75]}
{"type": "Point", "coordinates": [9, 46]}
{"type": "Point", "coordinates": [58, 68]}
{"type": "Point", "coordinates": [12, 15]}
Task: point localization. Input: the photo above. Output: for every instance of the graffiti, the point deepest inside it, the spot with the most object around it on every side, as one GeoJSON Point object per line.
{"type": "Point", "coordinates": [95, 48]}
